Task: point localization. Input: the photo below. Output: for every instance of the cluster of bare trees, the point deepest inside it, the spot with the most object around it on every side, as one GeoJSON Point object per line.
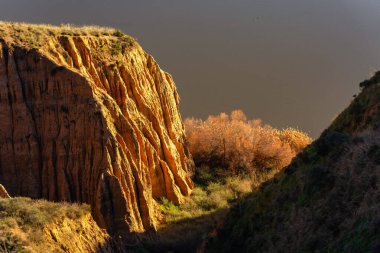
{"type": "Point", "coordinates": [240, 145]}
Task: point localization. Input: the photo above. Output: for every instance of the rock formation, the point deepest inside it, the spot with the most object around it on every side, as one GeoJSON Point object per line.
{"type": "Point", "coordinates": [3, 192]}
{"type": "Point", "coordinates": [87, 116]}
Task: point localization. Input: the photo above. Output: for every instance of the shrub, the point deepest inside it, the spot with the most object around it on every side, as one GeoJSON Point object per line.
{"type": "Point", "coordinates": [116, 47]}
{"type": "Point", "coordinates": [372, 81]}
{"type": "Point", "coordinates": [118, 33]}
{"type": "Point", "coordinates": [240, 145]}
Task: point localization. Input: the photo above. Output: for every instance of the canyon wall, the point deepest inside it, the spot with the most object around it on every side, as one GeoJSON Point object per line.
{"type": "Point", "coordinates": [90, 119]}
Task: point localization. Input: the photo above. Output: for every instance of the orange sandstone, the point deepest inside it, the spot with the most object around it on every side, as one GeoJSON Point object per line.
{"type": "Point", "coordinates": [90, 118]}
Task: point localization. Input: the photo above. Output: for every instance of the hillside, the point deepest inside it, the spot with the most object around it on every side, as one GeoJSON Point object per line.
{"type": "Point", "coordinates": [87, 116]}
{"type": "Point", "coordinates": [40, 226]}
{"type": "Point", "coordinates": [326, 200]}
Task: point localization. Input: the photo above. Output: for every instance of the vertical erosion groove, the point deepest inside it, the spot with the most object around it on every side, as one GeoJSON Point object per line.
{"type": "Point", "coordinates": [88, 127]}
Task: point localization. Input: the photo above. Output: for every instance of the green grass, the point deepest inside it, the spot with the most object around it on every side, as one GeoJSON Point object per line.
{"type": "Point", "coordinates": [216, 191]}
{"type": "Point", "coordinates": [206, 199]}
{"type": "Point", "coordinates": [185, 227]}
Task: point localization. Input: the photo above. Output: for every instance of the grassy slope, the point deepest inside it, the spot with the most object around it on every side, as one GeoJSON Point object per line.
{"type": "Point", "coordinates": [28, 225]}
{"type": "Point", "coordinates": [327, 200]}
{"type": "Point", "coordinates": [22, 220]}
{"type": "Point", "coordinates": [185, 227]}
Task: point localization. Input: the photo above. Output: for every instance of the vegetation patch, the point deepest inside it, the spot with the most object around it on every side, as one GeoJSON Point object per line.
{"type": "Point", "coordinates": [37, 36]}
{"type": "Point", "coordinates": [363, 111]}
{"type": "Point", "coordinates": [185, 227]}
{"type": "Point", "coordinates": [22, 221]}
{"type": "Point", "coordinates": [10, 243]}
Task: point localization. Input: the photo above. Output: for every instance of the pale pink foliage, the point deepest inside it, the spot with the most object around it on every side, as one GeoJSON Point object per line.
{"type": "Point", "coordinates": [239, 144]}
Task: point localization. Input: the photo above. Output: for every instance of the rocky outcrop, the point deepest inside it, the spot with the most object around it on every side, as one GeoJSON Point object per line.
{"type": "Point", "coordinates": [3, 192]}
{"type": "Point", "coordinates": [90, 118]}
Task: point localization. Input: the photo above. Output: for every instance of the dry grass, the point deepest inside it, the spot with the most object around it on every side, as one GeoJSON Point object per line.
{"type": "Point", "coordinates": [63, 29]}
{"type": "Point", "coordinates": [22, 221]}
{"type": "Point", "coordinates": [36, 35]}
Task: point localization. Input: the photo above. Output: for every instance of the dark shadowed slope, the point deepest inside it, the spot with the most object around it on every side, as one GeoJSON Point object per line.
{"type": "Point", "coordinates": [327, 200]}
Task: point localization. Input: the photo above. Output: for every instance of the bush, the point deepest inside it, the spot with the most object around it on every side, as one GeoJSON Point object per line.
{"type": "Point", "coordinates": [242, 146]}
{"type": "Point", "coordinates": [372, 81]}
{"type": "Point", "coordinates": [118, 33]}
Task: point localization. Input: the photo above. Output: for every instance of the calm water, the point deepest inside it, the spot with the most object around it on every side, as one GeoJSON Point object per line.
{"type": "Point", "coordinates": [290, 62]}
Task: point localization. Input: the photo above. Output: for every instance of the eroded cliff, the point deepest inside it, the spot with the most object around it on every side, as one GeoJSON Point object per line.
{"type": "Point", "coordinates": [87, 116]}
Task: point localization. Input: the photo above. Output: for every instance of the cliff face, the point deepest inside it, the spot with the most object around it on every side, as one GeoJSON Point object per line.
{"type": "Point", "coordinates": [3, 192]}
{"type": "Point", "coordinates": [90, 118]}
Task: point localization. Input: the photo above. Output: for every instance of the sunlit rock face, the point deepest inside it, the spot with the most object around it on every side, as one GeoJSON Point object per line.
{"type": "Point", "coordinates": [3, 192]}
{"type": "Point", "coordinates": [91, 119]}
